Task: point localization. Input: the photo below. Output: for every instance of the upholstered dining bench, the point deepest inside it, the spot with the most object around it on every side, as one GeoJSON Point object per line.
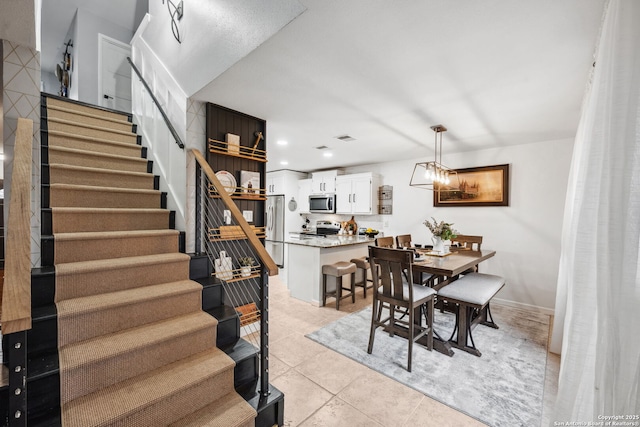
{"type": "Point", "coordinates": [472, 294]}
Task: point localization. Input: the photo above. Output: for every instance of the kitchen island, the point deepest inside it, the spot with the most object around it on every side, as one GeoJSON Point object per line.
{"type": "Point", "coordinates": [307, 255]}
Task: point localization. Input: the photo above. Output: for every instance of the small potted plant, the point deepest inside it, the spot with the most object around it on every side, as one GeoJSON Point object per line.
{"type": "Point", "coordinates": [246, 262]}
{"type": "Point", "coordinates": [441, 231]}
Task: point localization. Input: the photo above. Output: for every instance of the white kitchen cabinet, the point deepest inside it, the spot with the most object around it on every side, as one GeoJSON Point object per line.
{"type": "Point", "coordinates": [304, 191]}
{"type": "Point", "coordinates": [356, 194]}
{"type": "Point", "coordinates": [323, 182]}
{"type": "Point", "coordinates": [275, 183]}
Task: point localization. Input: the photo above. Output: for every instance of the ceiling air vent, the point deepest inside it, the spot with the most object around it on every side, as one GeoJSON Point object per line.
{"type": "Point", "coordinates": [322, 147]}
{"type": "Point", "coordinates": [345, 138]}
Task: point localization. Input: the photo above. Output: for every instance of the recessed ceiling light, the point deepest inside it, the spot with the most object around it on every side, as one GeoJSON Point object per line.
{"type": "Point", "coordinates": [284, 163]}
{"type": "Point", "coordinates": [328, 154]}
{"type": "Point", "coordinates": [282, 142]}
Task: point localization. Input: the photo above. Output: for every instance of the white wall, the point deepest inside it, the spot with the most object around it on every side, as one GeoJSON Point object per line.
{"type": "Point", "coordinates": [525, 235]}
{"type": "Point", "coordinates": [170, 160]}
{"type": "Point", "coordinates": [85, 47]}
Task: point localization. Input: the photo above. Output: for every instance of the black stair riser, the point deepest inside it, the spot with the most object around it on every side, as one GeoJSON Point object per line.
{"type": "Point", "coordinates": [228, 332]}
{"type": "Point", "coordinates": [199, 267]}
{"type": "Point", "coordinates": [44, 154]}
{"type": "Point", "coordinates": [44, 396]}
{"type": "Point", "coordinates": [45, 196]}
{"type": "Point", "coordinates": [149, 166]}
{"type": "Point", "coordinates": [43, 336]}
{"type": "Point", "coordinates": [212, 296]}
{"type": "Point", "coordinates": [46, 226]}
{"type": "Point", "coordinates": [156, 182]}
{"type": "Point", "coordinates": [45, 177]}
{"type": "Point", "coordinates": [228, 326]}
{"type": "Point", "coordinates": [43, 287]}
{"type": "Point", "coordinates": [47, 248]}
{"type": "Point", "coordinates": [246, 370]}
{"type": "Point", "coordinates": [182, 242]}
{"type": "Point", "coordinates": [139, 139]}
{"type": "Point", "coordinates": [172, 220]}
{"type": "Point", "coordinates": [163, 200]}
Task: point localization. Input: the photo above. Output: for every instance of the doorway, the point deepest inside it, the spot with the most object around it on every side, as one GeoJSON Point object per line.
{"type": "Point", "coordinates": [114, 74]}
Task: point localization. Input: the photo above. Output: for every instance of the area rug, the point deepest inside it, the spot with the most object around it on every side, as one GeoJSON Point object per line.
{"type": "Point", "coordinates": [503, 387]}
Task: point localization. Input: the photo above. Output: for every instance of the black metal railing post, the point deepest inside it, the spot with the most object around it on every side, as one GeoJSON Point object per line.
{"type": "Point", "coordinates": [199, 197]}
{"type": "Point", "coordinates": [17, 350]}
{"type": "Point", "coordinates": [264, 333]}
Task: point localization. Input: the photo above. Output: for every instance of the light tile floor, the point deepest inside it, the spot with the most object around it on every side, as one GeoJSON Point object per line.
{"type": "Point", "coordinates": [325, 388]}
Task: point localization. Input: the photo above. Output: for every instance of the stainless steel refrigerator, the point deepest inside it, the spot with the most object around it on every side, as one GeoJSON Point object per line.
{"type": "Point", "coordinates": [274, 227]}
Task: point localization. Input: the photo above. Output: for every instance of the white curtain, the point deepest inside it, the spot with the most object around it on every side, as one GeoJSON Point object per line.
{"type": "Point", "coordinates": [597, 320]}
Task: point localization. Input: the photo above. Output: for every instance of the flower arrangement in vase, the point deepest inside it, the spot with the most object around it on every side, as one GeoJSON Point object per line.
{"type": "Point", "coordinates": [441, 231]}
{"type": "Point", "coordinates": [246, 262]}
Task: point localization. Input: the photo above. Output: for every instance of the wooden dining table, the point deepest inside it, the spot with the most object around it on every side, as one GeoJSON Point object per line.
{"type": "Point", "coordinates": [446, 269]}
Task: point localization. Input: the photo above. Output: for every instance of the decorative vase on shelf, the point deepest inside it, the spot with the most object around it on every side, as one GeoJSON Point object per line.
{"type": "Point", "coordinates": [438, 244]}
{"type": "Point", "coordinates": [245, 271]}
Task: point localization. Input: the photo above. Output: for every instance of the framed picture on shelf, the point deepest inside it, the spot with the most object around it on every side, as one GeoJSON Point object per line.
{"type": "Point", "coordinates": [250, 182]}
{"type": "Point", "coordinates": [480, 186]}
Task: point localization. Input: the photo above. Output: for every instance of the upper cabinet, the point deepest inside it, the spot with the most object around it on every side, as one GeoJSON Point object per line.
{"type": "Point", "coordinates": [275, 183]}
{"type": "Point", "coordinates": [323, 182]}
{"type": "Point", "coordinates": [356, 194]}
{"type": "Point", "coordinates": [304, 191]}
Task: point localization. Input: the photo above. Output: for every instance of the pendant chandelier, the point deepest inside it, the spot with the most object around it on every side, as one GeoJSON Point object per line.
{"type": "Point", "coordinates": [433, 175]}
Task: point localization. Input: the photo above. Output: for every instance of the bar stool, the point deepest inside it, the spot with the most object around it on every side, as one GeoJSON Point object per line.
{"type": "Point", "coordinates": [338, 270]}
{"type": "Point", "coordinates": [362, 265]}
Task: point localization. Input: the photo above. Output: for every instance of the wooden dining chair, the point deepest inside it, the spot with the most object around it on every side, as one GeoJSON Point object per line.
{"type": "Point", "coordinates": [384, 242]}
{"type": "Point", "coordinates": [404, 241]}
{"type": "Point", "coordinates": [469, 243]}
{"type": "Point", "coordinates": [401, 298]}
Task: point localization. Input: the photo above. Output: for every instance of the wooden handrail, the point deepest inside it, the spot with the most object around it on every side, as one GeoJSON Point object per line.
{"type": "Point", "coordinates": [254, 241]}
{"type": "Point", "coordinates": [16, 295]}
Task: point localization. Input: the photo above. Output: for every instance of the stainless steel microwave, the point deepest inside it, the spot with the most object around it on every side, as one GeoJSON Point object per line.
{"type": "Point", "coordinates": [322, 203]}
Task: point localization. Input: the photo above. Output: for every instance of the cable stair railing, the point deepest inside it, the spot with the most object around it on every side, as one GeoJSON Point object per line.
{"type": "Point", "coordinates": [229, 242]}
{"type": "Point", "coordinates": [16, 292]}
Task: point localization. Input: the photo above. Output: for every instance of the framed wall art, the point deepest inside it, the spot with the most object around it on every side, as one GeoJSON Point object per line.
{"type": "Point", "coordinates": [479, 186]}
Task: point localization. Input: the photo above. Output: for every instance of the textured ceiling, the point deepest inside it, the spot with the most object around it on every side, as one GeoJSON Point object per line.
{"type": "Point", "coordinates": [496, 73]}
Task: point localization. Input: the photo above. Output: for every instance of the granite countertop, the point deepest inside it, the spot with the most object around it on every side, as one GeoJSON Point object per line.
{"type": "Point", "coordinates": [328, 241]}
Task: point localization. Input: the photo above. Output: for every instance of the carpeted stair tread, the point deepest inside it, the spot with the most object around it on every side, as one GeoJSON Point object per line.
{"type": "Point", "coordinates": [72, 219]}
{"type": "Point", "coordinates": [87, 317]}
{"type": "Point", "coordinates": [140, 349]}
{"type": "Point", "coordinates": [230, 410]}
{"type": "Point", "coordinates": [101, 145]}
{"type": "Point", "coordinates": [83, 175]}
{"type": "Point", "coordinates": [79, 128]}
{"type": "Point", "coordinates": [75, 247]}
{"type": "Point", "coordinates": [95, 111]}
{"type": "Point", "coordinates": [76, 157]}
{"type": "Point", "coordinates": [89, 117]}
{"type": "Point", "coordinates": [76, 195]}
{"type": "Point", "coordinates": [157, 397]}
{"type": "Point", "coordinates": [111, 275]}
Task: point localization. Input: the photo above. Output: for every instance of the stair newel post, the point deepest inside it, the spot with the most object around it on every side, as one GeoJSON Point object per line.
{"type": "Point", "coordinates": [199, 206]}
{"type": "Point", "coordinates": [264, 333]}
{"type": "Point", "coordinates": [17, 350]}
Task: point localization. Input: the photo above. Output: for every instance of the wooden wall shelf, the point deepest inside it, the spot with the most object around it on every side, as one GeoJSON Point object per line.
{"type": "Point", "coordinates": [244, 152]}
{"type": "Point", "coordinates": [233, 232]}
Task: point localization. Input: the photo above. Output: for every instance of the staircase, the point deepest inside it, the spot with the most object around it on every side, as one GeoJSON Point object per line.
{"type": "Point", "coordinates": [119, 333]}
